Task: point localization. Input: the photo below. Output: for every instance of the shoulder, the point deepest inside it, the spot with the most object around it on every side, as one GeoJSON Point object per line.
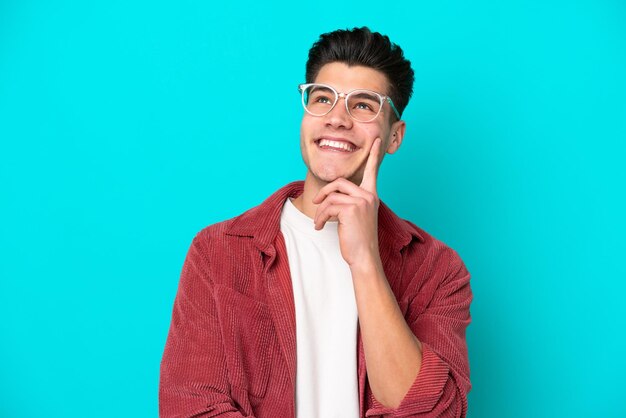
{"type": "Point", "coordinates": [432, 271]}
{"type": "Point", "coordinates": [215, 231]}
{"type": "Point", "coordinates": [429, 262]}
{"type": "Point", "coordinates": [406, 236]}
{"type": "Point", "coordinates": [428, 241]}
{"type": "Point", "coordinates": [434, 248]}
{"type": "Point", "coordinates": [218, 236]}
{"type": "Point", "coordinates": [258, 226]}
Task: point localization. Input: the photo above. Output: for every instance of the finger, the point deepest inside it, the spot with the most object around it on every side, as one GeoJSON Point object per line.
{"type": "Point", "coordinates": [337, 199]}
{"type": "Point", "coordinates": [340, 185]}
{"type": "Point", "coordinates": [331, 211]}
{"type": "Point", "coordinates": [371, 167]}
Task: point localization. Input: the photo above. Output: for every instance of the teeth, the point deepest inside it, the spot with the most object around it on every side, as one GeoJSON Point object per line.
{"type": "Point", "coordinates": [336, 144]}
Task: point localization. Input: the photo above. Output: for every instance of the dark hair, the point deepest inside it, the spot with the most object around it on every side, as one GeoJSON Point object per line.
{"type": "Point", "coordinates": [360, 46]}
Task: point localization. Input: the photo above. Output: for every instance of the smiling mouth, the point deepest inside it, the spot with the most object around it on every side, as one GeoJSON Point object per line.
{"type": "Point", "coordinates": [332, 145]}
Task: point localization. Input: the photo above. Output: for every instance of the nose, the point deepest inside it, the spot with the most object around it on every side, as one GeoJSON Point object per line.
{"type": "Point", "coordinates": [339, 117]}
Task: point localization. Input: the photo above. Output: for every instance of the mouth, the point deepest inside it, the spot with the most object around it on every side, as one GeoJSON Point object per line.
{"type": "Point", "coordinates": [338, 145]}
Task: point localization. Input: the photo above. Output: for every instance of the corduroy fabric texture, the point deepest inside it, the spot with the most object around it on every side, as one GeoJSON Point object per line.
{"type": "Point", "coordinates": [231, 348]}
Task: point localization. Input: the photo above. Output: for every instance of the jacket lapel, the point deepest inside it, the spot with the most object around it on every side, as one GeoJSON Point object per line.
{"type": "Point", "coordinates": [281, 302]}
{"type": "Point", "coordinates": [262, 224]}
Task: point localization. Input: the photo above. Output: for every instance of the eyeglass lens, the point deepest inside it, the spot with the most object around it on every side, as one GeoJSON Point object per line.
{"type": "Point", "coordinates": [362, 105]}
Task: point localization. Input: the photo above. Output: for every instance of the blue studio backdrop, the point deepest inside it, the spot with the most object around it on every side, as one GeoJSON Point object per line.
{"type": "Point", "coordinates": [126, 127]}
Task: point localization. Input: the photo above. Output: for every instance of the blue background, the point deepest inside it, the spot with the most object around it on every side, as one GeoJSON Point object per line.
{"type": "Point", "coordinates": [126, 127]}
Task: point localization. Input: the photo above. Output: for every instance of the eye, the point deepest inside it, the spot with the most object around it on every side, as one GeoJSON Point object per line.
{"type": "Point", "coordinates": [363, 106]}
{"type": "Point", "coordinates": [322, 99]}
{"type": "Point", "coordinates": [364, 102]}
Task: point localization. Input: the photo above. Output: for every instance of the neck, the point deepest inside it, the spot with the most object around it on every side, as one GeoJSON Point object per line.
{"type": "Point", "coordinates": [304, 202]}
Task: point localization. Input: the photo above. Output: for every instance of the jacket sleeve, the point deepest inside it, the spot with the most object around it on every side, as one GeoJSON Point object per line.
{"type": "Point", "coordinates": [441, 386]}
{"type": "Point", "coordinates": [194, 379]}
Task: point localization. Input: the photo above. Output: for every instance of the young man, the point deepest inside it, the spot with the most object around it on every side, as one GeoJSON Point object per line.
{"type": "Point", "coordinates": [321, 302]}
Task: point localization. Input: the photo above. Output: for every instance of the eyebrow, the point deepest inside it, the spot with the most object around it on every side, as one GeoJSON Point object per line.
{"type": "Point", "coordinates": [366, 95]}
{"type": "Point", "coordinates": [321, 88]}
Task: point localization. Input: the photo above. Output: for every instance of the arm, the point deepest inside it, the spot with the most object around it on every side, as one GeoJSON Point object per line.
{"type": "Point", "coordinates": [441, 386]}
{"type": "Point", "coordinates": [393, 354]}
{"type": "Point", "coordinates": [193, 375]}
{"type": "Point", "coordinates": [416, 366]}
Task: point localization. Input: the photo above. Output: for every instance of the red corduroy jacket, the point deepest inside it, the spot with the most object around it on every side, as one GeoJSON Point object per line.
{"type": "Point", "coordinates": [231, 348]}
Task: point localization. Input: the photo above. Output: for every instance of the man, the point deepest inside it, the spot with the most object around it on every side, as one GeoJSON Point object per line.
{"type": "Point", "coordinates": [321, 302]}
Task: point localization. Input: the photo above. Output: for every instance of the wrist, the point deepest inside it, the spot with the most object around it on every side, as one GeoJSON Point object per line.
{"type": "Point", "coordinates": [367, 266]}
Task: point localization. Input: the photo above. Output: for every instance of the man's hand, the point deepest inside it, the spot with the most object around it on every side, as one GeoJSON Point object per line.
{"type": "Point", "coordinates": [392, 352]}
{"type": "Point", "coordinates": [356, 208]}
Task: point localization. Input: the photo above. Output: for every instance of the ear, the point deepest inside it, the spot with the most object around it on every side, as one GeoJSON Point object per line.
{"type": "Point", "coordinates": [395, 136]}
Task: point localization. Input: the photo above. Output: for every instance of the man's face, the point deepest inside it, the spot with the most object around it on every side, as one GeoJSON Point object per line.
{"type": "Point", "coordinates": [335, 145]}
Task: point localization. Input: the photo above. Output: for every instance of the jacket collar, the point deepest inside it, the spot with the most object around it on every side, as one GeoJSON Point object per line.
{"type": "Point", "coordinates": [262, 223]}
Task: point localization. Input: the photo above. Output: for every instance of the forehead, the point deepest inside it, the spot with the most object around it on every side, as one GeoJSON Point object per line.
{"type": "Point", "coordinates": [345, 78]}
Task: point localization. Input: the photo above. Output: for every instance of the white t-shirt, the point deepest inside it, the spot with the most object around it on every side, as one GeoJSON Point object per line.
{"type": "Point", "coordinates": [326, 319]}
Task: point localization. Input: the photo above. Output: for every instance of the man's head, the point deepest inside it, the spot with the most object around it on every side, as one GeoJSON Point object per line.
{"type": "Point", "coordinates": [337, 143]}
{"type": "Point", "coordinates": [362, 47]}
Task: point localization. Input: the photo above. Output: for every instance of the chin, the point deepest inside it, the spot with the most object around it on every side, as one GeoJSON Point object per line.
{"type": "Point", "coordinates": [329, 175]}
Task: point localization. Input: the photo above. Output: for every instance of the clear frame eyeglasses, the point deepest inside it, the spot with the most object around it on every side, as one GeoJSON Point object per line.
{"type": "Point", "coordinates": [362, 105]}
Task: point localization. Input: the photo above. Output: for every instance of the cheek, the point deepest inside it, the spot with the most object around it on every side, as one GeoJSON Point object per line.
{"type": "Point", "coordinates": [376, 131]}
{"type": "Point", "coordinates": [307, 124]}
{"type": "Point", "coordinates": [305, 132]}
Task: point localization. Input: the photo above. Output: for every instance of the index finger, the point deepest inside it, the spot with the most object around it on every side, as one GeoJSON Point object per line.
{"type": "Point", "coordinates": [371, 167]}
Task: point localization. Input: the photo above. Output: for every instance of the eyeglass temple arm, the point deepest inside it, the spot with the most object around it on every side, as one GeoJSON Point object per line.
{"type": "Point", "coordinates": [393, 107]}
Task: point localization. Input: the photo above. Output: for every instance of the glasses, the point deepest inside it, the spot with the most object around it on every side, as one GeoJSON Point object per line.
{"type": "Point", "coordinates": [362, 105]}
